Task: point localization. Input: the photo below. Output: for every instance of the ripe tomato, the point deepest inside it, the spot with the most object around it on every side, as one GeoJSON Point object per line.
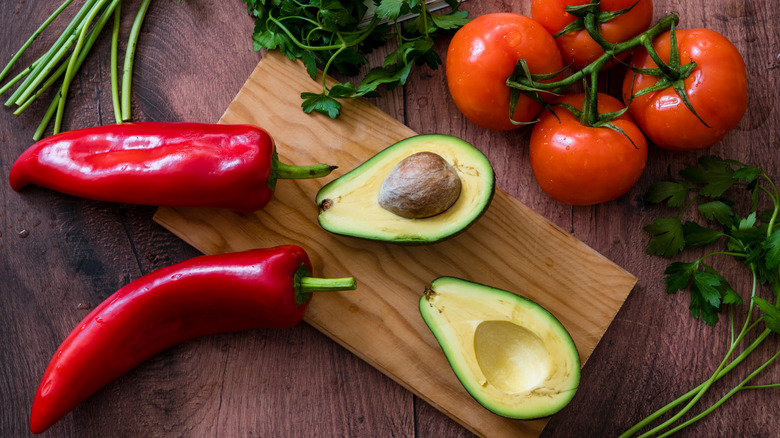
{"type": "Point", "coordinates": [481, 57]}
{"type": "Point", "coordinates": [578, 47]}
{"type": "Point", "coordinates": [717, 90]}
{"type": "Point", "coordinates": [583, 165]}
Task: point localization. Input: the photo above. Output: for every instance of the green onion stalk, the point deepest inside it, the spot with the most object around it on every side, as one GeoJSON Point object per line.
{"type": "Point", "coordinates": [62, 60]}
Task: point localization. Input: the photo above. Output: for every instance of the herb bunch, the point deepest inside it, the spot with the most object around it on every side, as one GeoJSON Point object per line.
{"type": "Point", "coordinates": [752, 239]}
{"type": "Point", "coordinates": [333, 34]}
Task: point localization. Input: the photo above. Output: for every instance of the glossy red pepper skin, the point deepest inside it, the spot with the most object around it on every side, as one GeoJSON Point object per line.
{"type": "Point", "coordinates": [162, 164]}
{"type": "Point", "coordinates": [198, 297]}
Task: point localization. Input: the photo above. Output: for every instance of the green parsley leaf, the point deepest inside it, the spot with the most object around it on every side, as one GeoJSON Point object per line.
{"type": "Point", "coordinates": [390, 9]}
{"type": "Point", "coordinates": [696, 235]}
{"type": "Point", "coordinates": [668, 237]}
{"type": "Point", "coordinates": [451, 21]}
{"type": "Point", "coordinates": [747, 223]}
{"type": "Point", "coordinates": [329, 34]}
{"type": "Point", "coordinates": [320, 103]}
{"type": "Point", "coordinates": [310, 62]}
{"type": "Point", "coordinates": [339, 91]}
{"type": "Point", "coordinates": [719, 211]}
{"type": "Point", "coordinates": [678, 276]}
{"type": "Point", "coordinates": [732, 297]}
{"type": "Point", "coordinates": [707, 285]}
{"type": "Point", "coordinates": [772, 246]}
{"type": "Point", "coordinates": [715, 173]}
{"type": "Point", "coordinates": [728, 294]}
{"type": "Point", "coordinates": [334, 15]}
{"type": "Point", "coordinates": [771, 314]}
{"type": "Point", "coordinates": [700, 308]}
{"type": "Point", "coordinates": [675, 192]}
{"type": "Point", "coordinates": [747, 173]}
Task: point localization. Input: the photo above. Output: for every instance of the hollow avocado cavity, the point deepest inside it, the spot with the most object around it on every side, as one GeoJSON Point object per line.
{"type": "Point", "coordinates": [510, 354]}
{"type": "Point", "coordinates": [512, 358]}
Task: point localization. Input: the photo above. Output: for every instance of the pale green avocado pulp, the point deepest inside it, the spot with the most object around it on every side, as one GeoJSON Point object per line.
{"type": "Point", "coordinates": [348, 205]}
{"type": "Point", "coordinates": [513, 356]}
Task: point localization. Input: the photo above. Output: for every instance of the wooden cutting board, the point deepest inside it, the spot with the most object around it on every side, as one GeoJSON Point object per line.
{"type": "Point", "coordinates": [510, 247]}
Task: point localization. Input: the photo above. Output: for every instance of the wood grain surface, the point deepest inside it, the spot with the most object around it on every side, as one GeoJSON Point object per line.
{"type": "Point", "coordinates": [510, 247]}
{"type": "Point", "coordinates": [62, 255]}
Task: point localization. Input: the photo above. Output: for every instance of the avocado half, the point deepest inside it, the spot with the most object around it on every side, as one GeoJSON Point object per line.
{"type": "Point", "coordinates": [513, 356]}
{"type": "Point", "coordinates": [348, 205]}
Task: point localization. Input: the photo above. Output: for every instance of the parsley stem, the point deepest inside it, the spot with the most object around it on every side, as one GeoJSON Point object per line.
{"type": "Point", "coordinates": [775, 197]}
{"type": "Point", "coordinates": [747, 326]}
{"type": "Point", "coordinates": [327, 66]}
{"type": "Point", "coordinates": [723, 399]}
{"type": "Point", "coordinates": [344, 44]}
{"type": "Point", "coordinates": [424, 16]}
{"type": "Point", "coordinates": [729, 253]}
{"type": "Point", "coordinates": [771, 385]}
{"type": "Point", "coordinates": [698, 394]}
{"type": "Point", "coordinates": [650, 418]}
{"type": "Point", "coordinates": [715, 376]}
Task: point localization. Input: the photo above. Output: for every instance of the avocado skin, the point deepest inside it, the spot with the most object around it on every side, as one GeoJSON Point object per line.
{"type": "Point", "coordinates": [464, 150]}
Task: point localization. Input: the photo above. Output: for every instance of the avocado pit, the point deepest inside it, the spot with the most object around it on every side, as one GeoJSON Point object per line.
{"type": "Point", "coordinates": [460, 175]}
{"type": "Point", "coordinates": [421, 185]}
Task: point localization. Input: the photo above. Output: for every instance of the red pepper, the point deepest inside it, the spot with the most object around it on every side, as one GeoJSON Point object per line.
{"type": "Point", "coordinates": [261, 288]}
{"type": "Point", "coordinates": [162, 164]}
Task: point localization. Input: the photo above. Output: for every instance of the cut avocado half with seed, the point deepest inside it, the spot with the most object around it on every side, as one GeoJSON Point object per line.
{"type": "Point", "coordinates": [513, 356]}
{"type": "Point", "coordinates": [385, 197]}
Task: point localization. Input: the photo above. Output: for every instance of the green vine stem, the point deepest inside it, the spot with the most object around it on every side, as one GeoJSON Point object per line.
{"type": "Point", "coordinates": [524, 82]}
{"type": "Point", "coordinates": [644, 39]}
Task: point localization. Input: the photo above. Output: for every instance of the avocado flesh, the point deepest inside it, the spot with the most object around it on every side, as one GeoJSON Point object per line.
{"type": "Point", "coordinates": [509, 353]}
{"type": "Point", "coordinates": [349, 204]}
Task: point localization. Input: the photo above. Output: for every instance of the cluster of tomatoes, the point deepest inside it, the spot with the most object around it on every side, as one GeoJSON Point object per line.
{"type": "Point", "coordinates": [580, 163]}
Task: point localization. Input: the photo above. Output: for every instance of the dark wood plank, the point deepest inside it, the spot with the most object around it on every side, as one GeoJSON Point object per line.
{"type": "Point", "coordinates": [654, 351]}
{"type": "Point", "coordinates": [77, 252]}
{"type": "Point", "coordinates": [62, 255]}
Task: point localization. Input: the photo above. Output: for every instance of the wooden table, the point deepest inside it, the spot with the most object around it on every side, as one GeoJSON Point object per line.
{"type": "Point", "coordinates": [61, 256]}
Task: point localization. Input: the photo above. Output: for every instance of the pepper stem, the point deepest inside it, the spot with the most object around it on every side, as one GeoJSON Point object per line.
{"type": "Point", "coordinates": [305, 285]}
{"type": "Point", "coordinates": [289, 171]}
{"type": "Point", "coordinates": [314, 284]}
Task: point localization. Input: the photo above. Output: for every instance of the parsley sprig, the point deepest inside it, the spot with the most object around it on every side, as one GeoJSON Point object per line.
{"type": "Point", "coordinates": [752, 238]}
{"type": "Point", "coordinates": [329, 34]}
